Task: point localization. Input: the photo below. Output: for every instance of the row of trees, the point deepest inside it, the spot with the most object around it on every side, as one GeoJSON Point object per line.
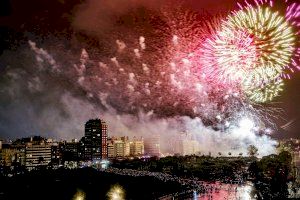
{"type": "Point", "coordinates": [252, 151]}
{"type": "Point", "coordinates": [270, 174]}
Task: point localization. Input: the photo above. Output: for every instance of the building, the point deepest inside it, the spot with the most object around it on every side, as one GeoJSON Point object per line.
{"type": "Point", "coordinates": [55, 154]}
{"type": "Point", "coordinates": [70, 151]}
{"type": "Point", "coordinates": [137, 147]}
{"type": "Point", "coordinates": [12, 154]}
{"type": "Point", "coordinates": [152, 145]}
{"type": "Point", "coordinates": [95, 140]}
{"type": "Point", "coordinates": [110, 149]}
{"type": "Point", "coordinates": [126, 145]}
{"type": "Point", "coordinates": [190, 147]}
{"type": "Point", "coordinates": [37, 155]}
{"type": "Point", "coordinates": [184, 144]}
{"type": "Point", "coordinates": [118, 147]}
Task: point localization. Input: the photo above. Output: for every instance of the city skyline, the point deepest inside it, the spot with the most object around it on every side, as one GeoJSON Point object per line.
{"type": "Point", "coordinates": [151, 69]}
{"type": "Point", "coordinates": [149, 99]}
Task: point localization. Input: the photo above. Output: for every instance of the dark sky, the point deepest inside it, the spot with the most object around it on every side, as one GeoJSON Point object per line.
{"type": "Point", "coordinates": [46, 20]}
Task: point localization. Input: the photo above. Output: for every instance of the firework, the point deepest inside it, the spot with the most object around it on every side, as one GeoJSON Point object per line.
{"type": "Point", "coordinates": [229, 55]}
{"type": "Point", "coordinates": [273, 37]}
{"type": "Point", "coordinates": [79, 195]}
{"type": "Point", "coordinates": [253, 46]}
{"type": "Point", "coordinates": [254, 41]}
{"type": "Point", "coordinates": [266, 92]}
{"type": "Point", "coordinates": [167, 75]}
{"type": "Point", "coordinates": [116, 193]}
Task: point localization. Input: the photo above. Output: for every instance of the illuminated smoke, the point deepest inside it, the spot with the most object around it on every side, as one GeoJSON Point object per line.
{"type": "Point", "coordinates": [141, 81]}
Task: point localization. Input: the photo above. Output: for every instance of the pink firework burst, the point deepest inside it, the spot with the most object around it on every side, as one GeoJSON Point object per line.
{"type": "Point", "coordinates": [228, 55]}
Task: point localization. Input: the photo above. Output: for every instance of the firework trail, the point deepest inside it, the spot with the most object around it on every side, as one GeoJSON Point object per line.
{"type": "Point", "coordinates": [189, 64]}
{"type": "Point", "coordinates": [164, 80]}
{"type": "Point", "coordinates": [175, 62]}
{"type": "Point", "coordinates": [151, 69]}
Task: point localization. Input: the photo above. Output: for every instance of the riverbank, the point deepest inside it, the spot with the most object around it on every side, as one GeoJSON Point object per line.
{"type": "Point", "coordinates": [63, 184]}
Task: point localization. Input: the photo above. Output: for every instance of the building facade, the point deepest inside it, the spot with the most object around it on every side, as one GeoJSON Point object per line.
{"type": "Point", "coordinates": [137, 147]}
{"type": "Point", "coordinates": [55, 154]}
{"type": "Point", "coordinates": [118, 147]}
{"type": "Point", "coordinates": [37, 155]}
{"type": "Point", "coordinates": [70, 151]}
{"type": "Point", "coordinates": [11, 154]}
{"type": "Point", "coordinates": [95, 140]}
{"type": "Point", "coordinates": [152, 145]}
{"type": "Point", "coordinates": [110, 149]}
{"type": "Point", "coordinates": [190, 147]}
{"type": "Point", "coordinates": [184, 144]}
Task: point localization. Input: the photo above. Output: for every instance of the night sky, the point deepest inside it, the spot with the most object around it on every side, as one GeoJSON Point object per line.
{"type": "Point", "coordinates": [58, 107]}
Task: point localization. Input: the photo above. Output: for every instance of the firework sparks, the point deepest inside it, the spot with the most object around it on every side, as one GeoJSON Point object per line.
{"type": "Point", "coordinates": [80, 195]}
{"type": "Point", "coordinates": [265, 92]}
{"type": "Point", "coordinates": [116, 193]}
{"type": "Point", "coordinates": [272, 34]}
{"type": "Point", "coordinates": [194, 65]}
{"type": "Point", "coordinates": [229, 55]}
{"type": "Point", "coordinates": [252, 49]}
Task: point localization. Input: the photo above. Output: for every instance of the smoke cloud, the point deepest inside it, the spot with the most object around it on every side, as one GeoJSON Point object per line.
{"type": "Point", "coordinates": [114, 63]}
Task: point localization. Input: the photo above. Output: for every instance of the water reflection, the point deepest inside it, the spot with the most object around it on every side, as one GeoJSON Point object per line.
{"type": "Point", "coordinates": [209, 191]}
{"type": "Point", "coordinates": [216, 191]}
{"type": "Point", "coordinates": [227, 191]}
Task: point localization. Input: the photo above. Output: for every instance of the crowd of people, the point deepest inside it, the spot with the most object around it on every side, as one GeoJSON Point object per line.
{"type": "Point", "coordinates": [189, 184]}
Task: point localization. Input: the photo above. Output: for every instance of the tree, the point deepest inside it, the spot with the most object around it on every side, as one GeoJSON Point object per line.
{"type": "Point", "coordinates": [285, 157]}
{"type": "Point", "coordinates": [252, 150]}
{"type": "Point", "coordinates": [41, 159]}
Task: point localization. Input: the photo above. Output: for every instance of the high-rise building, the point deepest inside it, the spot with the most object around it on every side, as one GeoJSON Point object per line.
{"type": "Point", "coordinates": [118, 147]}
{"type": "Point", "coordinates": [95, 140]}
{"type": "Point", "coordinates": [190, 147]}
{"type": "Point", "coordinates": [137, 147]}
{"type": "Point", "coordinates": [110, 148]}
{"type": "Point", "coordinates": [37, 155]}
{"type": "Point", "coordinates": [184, 144]}
{"type": "Point", "coordinates": [70, 151]}
{"type": "Point", "coordinates": [55, 154]}
{"type": "Point", "coordinates": [126, 145]}
{"type": "Point", "coordinates": [152, 145]}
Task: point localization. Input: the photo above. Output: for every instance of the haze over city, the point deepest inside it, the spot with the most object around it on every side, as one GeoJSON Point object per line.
{"type": "Point", "coordinates": [201, 78]}
{"type": "Point", "coordinates": [66, 62]}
